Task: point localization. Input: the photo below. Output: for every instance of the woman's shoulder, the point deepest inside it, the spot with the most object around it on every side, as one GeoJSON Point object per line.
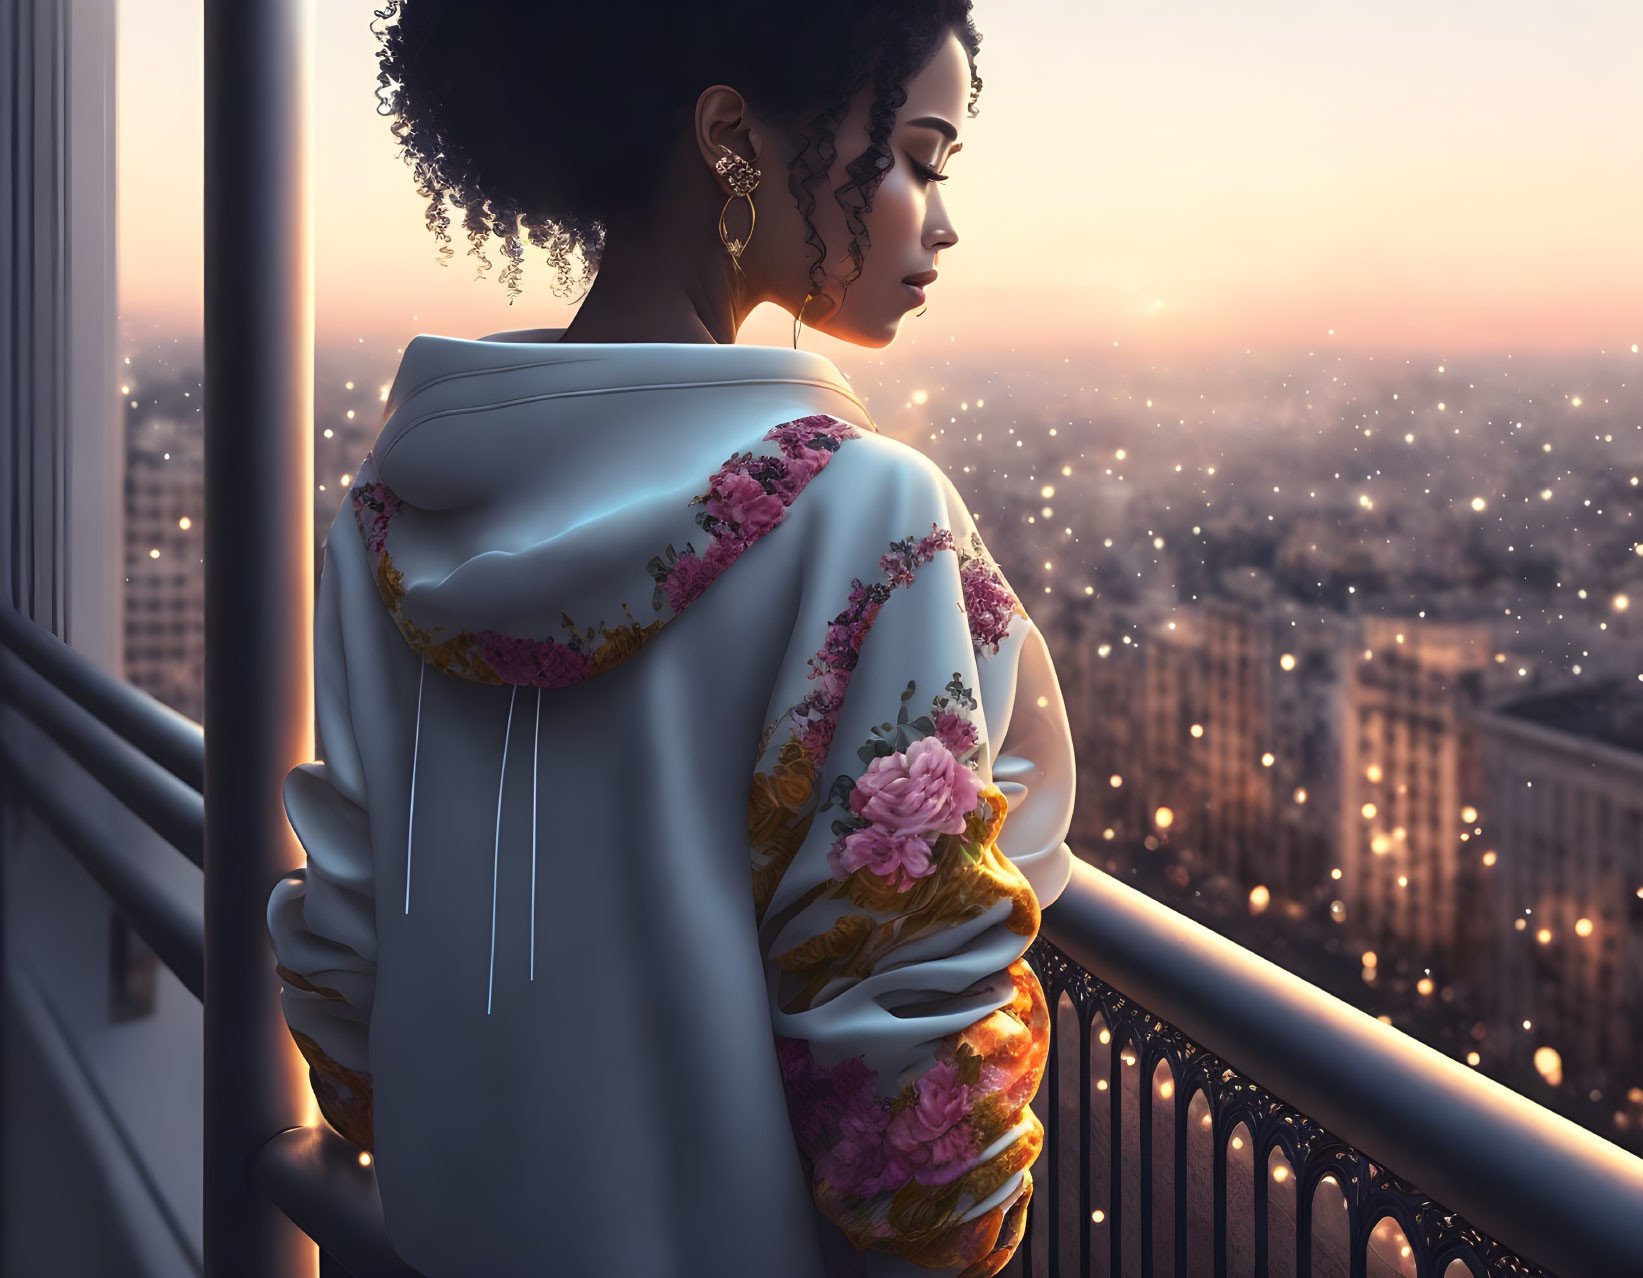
{"type": "Point", "coordinates": [880, 480]}
{"type": "Point", "coordinates": [878, 460]}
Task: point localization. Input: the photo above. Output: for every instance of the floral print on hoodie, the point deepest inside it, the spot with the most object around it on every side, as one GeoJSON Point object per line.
{"type": "Point", "coordinates": [903, 1165]}
{"type": "Point", "coordinates": [747, 496]}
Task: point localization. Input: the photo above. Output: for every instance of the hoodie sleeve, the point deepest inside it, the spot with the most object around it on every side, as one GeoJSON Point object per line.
{"type": "Point", "coordinates": [321, 918]}
{"type": "Point", "coordinates": [898, 880]}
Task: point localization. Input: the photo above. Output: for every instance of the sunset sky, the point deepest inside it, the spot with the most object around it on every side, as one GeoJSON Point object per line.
{"type": "Point", "coordinates": [1438, 176]}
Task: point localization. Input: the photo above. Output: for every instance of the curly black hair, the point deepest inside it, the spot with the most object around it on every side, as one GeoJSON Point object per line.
{"type": "Point", "coordinates": [560, 150]}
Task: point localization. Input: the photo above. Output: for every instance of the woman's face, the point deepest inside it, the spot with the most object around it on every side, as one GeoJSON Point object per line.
{"type": "Point", "coordinates": [908, 224]}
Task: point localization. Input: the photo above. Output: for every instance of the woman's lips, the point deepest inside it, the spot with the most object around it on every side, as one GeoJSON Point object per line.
{"type": "Point", "coordinates": [916, 291]}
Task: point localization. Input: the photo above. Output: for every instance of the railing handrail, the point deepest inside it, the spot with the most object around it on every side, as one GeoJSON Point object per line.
{"type": "Point", "coordinates": [173, 928]}
{"type": "Point", "coordinates": [1556, 1193]}
{"type": "Point", "coordinates": [163, 802]}
{"type": "Point", "coordinates": [172, 740]}
{"type": "Point", "coordinates": [315, 1177]}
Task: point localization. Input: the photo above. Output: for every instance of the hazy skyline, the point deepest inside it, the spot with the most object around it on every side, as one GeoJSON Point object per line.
{"type": "Point", "coordinates": [1180, 178]}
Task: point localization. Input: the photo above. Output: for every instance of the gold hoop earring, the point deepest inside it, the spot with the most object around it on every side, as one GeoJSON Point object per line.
{"type": "Point", "coordinates": [808, 298]}
{"type": "Point", "coordinates": [742, 178]}
{"type": "Point", "coordinates": [799, 319]}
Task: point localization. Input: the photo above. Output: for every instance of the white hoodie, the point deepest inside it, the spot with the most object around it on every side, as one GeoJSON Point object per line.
{"type": "Point", "coordinates": [602, 629]}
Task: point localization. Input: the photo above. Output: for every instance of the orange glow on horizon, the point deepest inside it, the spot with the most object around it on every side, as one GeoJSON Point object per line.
{"type": "Point", "coordinates": [1179, 200]}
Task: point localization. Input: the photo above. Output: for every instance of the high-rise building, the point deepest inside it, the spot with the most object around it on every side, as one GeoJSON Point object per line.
{"type": "Point", "coordinates": [1101, 679]}
{"type": "Point", "coordinates": [1410, 782]}
{"type": "Point", "coordinates": [165, 572]}
{"type": "Point", "coordinates": [1238, 736]}
{"type": "Point", "coordinates": [1564, 777]}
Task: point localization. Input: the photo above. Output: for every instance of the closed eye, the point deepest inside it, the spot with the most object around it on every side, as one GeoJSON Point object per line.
{"type": "Point", "coordinates": [926, 172]}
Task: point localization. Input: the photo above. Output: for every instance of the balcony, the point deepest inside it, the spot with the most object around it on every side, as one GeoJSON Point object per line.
{"type": "Point", "coordinates": [1196, 1095]}
{"type": "Point", "coordinates": [1206, 1111]}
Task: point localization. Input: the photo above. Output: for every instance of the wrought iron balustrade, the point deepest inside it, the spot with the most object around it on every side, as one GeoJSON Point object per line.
{"type": "Point", "coordinates": [1476, 1179]}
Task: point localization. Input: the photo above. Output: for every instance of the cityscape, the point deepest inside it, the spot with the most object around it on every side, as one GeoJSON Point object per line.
{"type": "Point", "coordinates": [1350, 647]}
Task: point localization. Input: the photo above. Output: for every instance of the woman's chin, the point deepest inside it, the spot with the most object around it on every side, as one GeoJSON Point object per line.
{"type": "Point", "coordinates": [874, 339]}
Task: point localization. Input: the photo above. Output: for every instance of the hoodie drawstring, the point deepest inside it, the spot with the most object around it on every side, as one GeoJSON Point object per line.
{"type": "Point", "coordinates": [536, 757]}
{"type": "Point", "coordinates": [410, 820]}
{"type": "Point", "coordinates": [496, 853]}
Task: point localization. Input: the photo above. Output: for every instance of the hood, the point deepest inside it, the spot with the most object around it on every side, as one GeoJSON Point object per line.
{"type": "Point", "coordinates": [535, 511]}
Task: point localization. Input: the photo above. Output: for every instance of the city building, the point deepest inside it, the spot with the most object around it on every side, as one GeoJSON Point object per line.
{"type": "Point", "coordinates": [1410, 780]}
{"type": "Point", "coordinates": [1564, 777]}
{"type": "Point", "coordinates": [164, 617]}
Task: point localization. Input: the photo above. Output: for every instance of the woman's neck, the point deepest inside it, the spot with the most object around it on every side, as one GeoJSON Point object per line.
{"type": "Point", "coordinates": [647, 290]}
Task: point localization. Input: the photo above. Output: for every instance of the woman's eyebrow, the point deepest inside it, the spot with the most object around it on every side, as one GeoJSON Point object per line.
{"type": "Point", "coordinates": [937, 123]}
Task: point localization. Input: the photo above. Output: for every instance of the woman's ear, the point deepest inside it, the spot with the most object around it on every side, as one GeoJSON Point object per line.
{"type": "Point", "coordinates": [722, 122]}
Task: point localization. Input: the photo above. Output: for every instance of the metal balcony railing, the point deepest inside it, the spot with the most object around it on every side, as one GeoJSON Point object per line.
{"type": "Point", "coordinates": [153, 761]}
{"type": "Point", "coordinates": [1469, 1171]}
{"type": "Point", "coordinates": [1341, 1095]}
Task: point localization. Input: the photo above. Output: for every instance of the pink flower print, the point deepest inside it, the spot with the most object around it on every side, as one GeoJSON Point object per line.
{"type": "Point", "coordinates": [839, 1119]}
{"type": "Point", "coordinates": [688, 578]}
{"type": "Point", "coordinates": [830, 686]}
{"type": "Point", "coordinates": [860, 592]}
{"type": "Point", "coordinates": [937, 539]}
{"type": "Point", "coordinates": [512, 658]}
{"type": "Point", "coordinates": [797, 1065]}
{"type": "Point", "coordinates": [381, 500]}
{"type": "Point", "coordinates": [861, 1164]}
{"type": "Point", "coordinates": [988, 601]}
{"type": "Point", "coordinates": [742, 500]}
{"type": "Point", "coordinates": [821, 1100]}
{"type": "Point", "coordinates": [901, 859]}
{"type": "Point", "coordinates": [955, 732]}
{"type": "Point", "coordinates": [922, 789]}
{"type": "Point", "coordinates": [897, 568]}
{"type": "Point", "coordinates": [723, 552]}
{"type": "Point", "coordinates": [786, 478]}
{"type": "Point", "coordinates": [933, 1134]}
{"type": "Point", "coordinates": [840, 637]}
{"type": "Point", "coordinates": [543, 664]}
{"type": "Point", "coordinates": [735, 464]}
{"type": "Point", "coordinates": [816, 736]}
{"type": "Point", "coordinates": [898, 564]}
{"type": "Point", "coordinates": [811, 440]}
{"type": "Point", "coordinates": [560, 665]}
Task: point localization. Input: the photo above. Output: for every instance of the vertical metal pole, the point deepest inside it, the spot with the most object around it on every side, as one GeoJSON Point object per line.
{"type": "Point", "coordinates": [1261, 1209]}
{"type": "Point", "coordinates": [22, 248]}
{"type": "Point", "coordinates": [1218, 1134]}
{"type": "Point", "coordinates": [259, 461]}
{"type": "Point", "coordinates": [1303, 1222]}
{"type": "Point", "coordinates": [41, 201]}
{"type": "Point", "coordinates": [60, 354]}
{"type": "Point", "coordinates": [8, 472]}
{"type": "Point", "coordinates": [94, 422]}
{"type": "Point", "coordinates": [1143, 1092]}
{"type": "Point", "coordinates": [1115, 1151]}
{"type": "Point", "coordinates": [1183, 1108]}
{"type": "Point", "coordinates": [10, 327]}
{"type": "Point", "coordinates": [1086, 1206]}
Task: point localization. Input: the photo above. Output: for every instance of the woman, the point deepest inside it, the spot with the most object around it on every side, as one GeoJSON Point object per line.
{"type": "Point", "coordinates": [667, 879]}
